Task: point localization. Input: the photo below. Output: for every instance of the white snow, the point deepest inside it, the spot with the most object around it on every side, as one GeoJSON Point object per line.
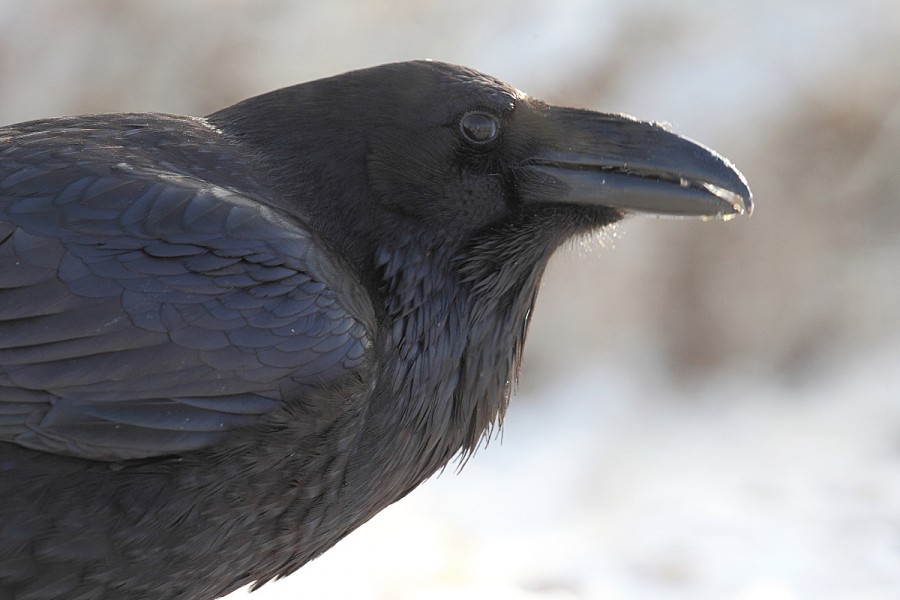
{"type": "Point", "coordinates": [613, 487]}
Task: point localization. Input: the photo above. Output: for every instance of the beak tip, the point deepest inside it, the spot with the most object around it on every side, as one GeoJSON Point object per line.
{"type": "Point", "coordinates": [743, 202]}
{"type": "Point", "coordinates": [737, 206]}
{"type": "Point", "coordinates": [737, 196]}
{"type": "Point", "coordinates": [741, 205]}
{"type": "Point", "coordinates": [730, 202]}
{"type": "Point", "coordinates": [743, 196]}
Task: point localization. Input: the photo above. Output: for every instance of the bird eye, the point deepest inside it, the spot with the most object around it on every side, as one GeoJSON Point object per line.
{"type": "Point", "coordinates": [479, 128]}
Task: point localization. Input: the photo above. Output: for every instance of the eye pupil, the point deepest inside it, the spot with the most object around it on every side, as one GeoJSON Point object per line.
{"type": "Point", "coordinates": [478, 127]}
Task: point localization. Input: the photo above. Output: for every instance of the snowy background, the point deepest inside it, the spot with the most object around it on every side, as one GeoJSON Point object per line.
{"type": "Point", "coordinates": [707, 410]}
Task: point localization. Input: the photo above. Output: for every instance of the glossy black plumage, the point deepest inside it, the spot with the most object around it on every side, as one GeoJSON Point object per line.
{"type": "Point", "coordinates": [227, 342]}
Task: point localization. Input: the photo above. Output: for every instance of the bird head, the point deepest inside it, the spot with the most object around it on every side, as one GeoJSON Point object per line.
{"type": "Point", "coordinates": [452, 156]}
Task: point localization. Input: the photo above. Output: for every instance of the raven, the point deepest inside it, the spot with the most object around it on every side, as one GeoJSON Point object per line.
{"type": "Point", "coordinates": [226, 342]}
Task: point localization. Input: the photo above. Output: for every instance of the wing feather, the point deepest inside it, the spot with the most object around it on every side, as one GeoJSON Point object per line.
{"type": "Point", "coordinates": [148, 308]}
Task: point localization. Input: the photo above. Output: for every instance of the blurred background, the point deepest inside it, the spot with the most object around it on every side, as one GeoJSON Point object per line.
{"type": "Point", "coordinates": [707, 410]}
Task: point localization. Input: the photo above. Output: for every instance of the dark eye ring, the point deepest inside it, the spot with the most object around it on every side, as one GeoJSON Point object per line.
{"type": "Point", "coordinates": [479, 127]}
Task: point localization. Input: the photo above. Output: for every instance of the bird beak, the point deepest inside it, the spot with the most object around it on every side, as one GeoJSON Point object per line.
{"type": "Point", "coordinates": [597, 159]}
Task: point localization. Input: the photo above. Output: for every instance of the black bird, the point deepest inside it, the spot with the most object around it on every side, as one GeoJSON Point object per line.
{"type": "Point", "coordinates": [227, 342]}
